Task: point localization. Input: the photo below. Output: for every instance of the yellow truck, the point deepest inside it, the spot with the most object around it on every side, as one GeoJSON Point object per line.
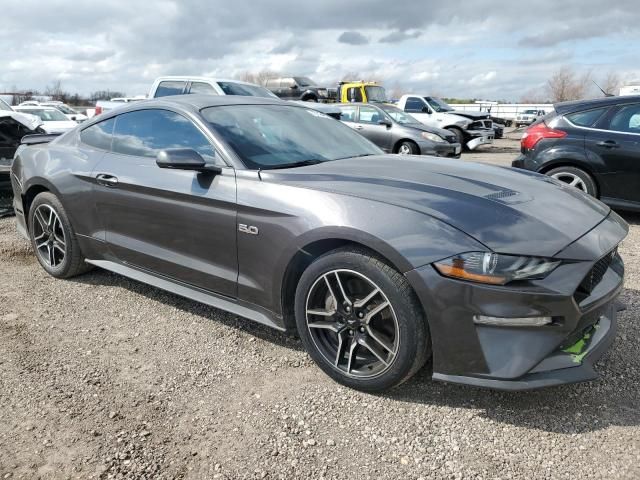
{"type": "Point", "coordinates": [360, 91]}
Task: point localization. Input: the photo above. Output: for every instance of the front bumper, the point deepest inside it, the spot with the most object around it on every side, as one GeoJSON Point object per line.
{"type": "Point", "coordinates": [451, 150]}
{"type": "Point", "coordinates": [475, 138]}
{"type": "Point", "coordinates": [521, 358]}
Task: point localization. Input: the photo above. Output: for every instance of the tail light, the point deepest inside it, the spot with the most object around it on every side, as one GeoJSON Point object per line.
{"type": "Point", "coordinates": [537, 132]}
{"type": "Point", "coordinates": [98, 110]}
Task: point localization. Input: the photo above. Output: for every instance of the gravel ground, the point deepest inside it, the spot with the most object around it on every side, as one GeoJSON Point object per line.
{"type": "Point", "coordinates": [103, 377]}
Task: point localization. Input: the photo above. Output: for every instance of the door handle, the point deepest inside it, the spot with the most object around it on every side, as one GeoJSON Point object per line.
{"type": "Point", "coordinates": [608, 144]}
{"type": "Point", "coordinates": [106, 180]}
{"type": "Point", "coordinates": [359, 127]}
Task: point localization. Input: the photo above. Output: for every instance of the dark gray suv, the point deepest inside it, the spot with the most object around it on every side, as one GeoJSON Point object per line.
{"type": "Point", "coordinates": [300, 88]}
{"type": "Point", "coordinates": [283, 215]}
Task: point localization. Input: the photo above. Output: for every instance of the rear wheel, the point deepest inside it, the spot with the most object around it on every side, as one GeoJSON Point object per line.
{"type": "Point", "coordinates": [53, 239]}
{"type": "Point", "coordinates": [575, 177]}
{"type": "Point", "coordinates": [360, 321]}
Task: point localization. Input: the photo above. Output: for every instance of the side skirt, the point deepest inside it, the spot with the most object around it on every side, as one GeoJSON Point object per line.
{"type": "Point", "coordinates": [239, 308]}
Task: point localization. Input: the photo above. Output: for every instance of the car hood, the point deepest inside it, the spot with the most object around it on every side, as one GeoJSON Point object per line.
{"type": "Point", "coordinates": [509, 211]}
{"type": "Point", "coordinates": [30, 121]}
{"type": "Point", "coordinates": [424, 128]}
{"type": "Point", "coordinates": [472, 115]}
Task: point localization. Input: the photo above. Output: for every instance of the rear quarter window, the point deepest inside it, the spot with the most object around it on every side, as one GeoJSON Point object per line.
{"type": "Point", "coordinates": [99, 135]}
{"type": "Point", "coordinates": [587, 118]}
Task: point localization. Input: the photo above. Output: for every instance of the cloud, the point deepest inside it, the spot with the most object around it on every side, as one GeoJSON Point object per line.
{"type": "Point", "coordinates": [399, 36]}
{"type": "Point", "coordinates": [353, 38]}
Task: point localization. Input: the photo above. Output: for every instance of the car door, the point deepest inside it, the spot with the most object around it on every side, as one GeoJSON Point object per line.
{"type": "Point", "coordinates": [616, 141]}
{"type": "Point", "coordinates": [176, 223]}
{"type": "Point", "coordinates": [369, 126]}
{"type": "Point", "coordinates": [418, 109]}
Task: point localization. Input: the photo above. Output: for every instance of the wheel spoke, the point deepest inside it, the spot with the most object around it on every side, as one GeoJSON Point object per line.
{"type": "Point", "coordinates": [375, 311]}
{"type": "Point", "coordinates": [326, 280]}
{"type": "Point", "coordinates": [60, 249]}
{"type": "Point", "coordinates": [367, 299]}
{"type": "Point", "coordinates": [382, 343]}
{"type": "Point", "coordinates": [344, 294]}
{"type": "Point", "coordinates": [366, 344]}
{"type": "Point", "coordinates": [43, 223]}
{"type": "Point", "coordinates": [39, 237]}
{"type": "Point", "coordinates": [325, 325]}
{"type": "Point", "coordinates": [52, 219]}
{"type": "Point", "coordinates": [575, 182]}
{"type": "Point", "coordinates": [42, 244]}
{"type": "Point", "coordinates": [52, 259]}
{"type": "Point", "coordinates": [352, 349]}
{"type": "Point", "coordinates": [342, 347]}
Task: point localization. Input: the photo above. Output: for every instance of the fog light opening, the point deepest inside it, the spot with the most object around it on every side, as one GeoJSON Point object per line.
{"type": "Point", "coordinates": [512, 322]}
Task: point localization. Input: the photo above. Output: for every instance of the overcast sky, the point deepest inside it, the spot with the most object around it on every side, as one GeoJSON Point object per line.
{"type": "Point", "coordinates": [481, 48]}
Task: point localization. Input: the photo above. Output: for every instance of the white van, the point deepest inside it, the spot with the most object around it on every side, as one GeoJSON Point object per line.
{"type": "Point", "coordinates": [166, 86]}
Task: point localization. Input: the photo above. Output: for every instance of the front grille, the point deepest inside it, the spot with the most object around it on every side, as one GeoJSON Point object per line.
{"type": "Point", "coordinates": [488, 124]}
{"type": "Point", "coordinates": [594, 277]}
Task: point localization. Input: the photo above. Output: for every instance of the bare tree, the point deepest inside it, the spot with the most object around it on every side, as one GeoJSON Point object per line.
{"type": "Point", "coordinates": [56, 92]}
{"type": "Point", "coordinates": [534, 95]}
{"type": "Point", "coordinates": [611, 83]}
{"type": "Point", "coordinates": [565, 84]}
{"type": "Point", "coordinates": [259, 78]}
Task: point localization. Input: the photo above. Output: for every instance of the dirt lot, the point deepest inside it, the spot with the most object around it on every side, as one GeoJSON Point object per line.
{"type": "Point", "coordinates": [102, 377]}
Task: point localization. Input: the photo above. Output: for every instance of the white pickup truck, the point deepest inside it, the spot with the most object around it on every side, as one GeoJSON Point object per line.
{"type": "Point", "coordinates": [471, 128]}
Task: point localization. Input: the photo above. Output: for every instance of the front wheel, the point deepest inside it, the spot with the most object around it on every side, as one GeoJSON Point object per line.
{"type": "Point", "coordinates": [360, 321]}
{"type": "Point", "coordinates": [459, 135]}
{"type": "Point", "coordinates": [576, 178]}
{"type": "Point", "coordinates": [408, 148]}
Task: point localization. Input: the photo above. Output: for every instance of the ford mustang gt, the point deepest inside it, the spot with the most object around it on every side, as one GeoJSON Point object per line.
{"type": "Point", "coordinates": [380, 263]}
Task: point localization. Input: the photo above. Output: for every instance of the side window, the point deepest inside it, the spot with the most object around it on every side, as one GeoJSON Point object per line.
{"type": "Point", "coordinates": [588, 118]}
{"type": "Point", "coordinates": [99, 135]}
{"type": "Point", "coordinates": [145, 132]}
{"type": "Point", "coordinates": [287, 82]}
{"type": "Point", "coordinates": [273, 83]}
{"type": "Point", "coordinates": [348, 114]}
{"type": "Point", "coordinates": [168, 88]}
{"type": "Point", "coordinates": [414, 105]}
{"type": "Point", "coordinates": [202, 88]}
{"type": "Point", "coordinates": [370, 115]}
{"type": "Point", "coordinates": [354, 94]}
{"type": "Point", "coordinates": [627, 119]}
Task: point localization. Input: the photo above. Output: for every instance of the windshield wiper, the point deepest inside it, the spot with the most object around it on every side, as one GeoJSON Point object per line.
{"type": "Point", "coordinates": [302, 163]}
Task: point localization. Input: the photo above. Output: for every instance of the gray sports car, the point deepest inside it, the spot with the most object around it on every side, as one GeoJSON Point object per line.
{"type": "Point", "coordinates": [279, 213]}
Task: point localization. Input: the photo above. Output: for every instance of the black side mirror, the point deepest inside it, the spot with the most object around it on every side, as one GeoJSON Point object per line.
{"type": "Point", "coordinates": [426, 109]}
{"type": "Point", "coordinates": [294, 86]}
{"type": "Point", "coordinates": [184, 159]}
{"type": "Point", "coordinates": [386, 123]}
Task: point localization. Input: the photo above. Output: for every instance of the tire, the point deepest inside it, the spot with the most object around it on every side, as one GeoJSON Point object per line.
{"type": "Point", "coordinates": [407, 147]}
{"type": "Point", "coordinates": [459, 135]}
{"type": "Point", "coordinates": [48, 223]}
{"type": "Point", "coordinates": [310, 99]}
{"type": "Point", "coordinates": [575, 177]}
{"type": "Point", "coordinates": [391, 344]}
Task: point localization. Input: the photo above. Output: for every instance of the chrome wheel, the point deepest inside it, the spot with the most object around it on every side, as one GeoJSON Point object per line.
{"type": "Point", "coordinates": [48, 236]}
{"type": "Point", "coordinates": [352, 323]}
{"type": "Point", "coordinates": [570, 179]}
{"type": "Point", "coordinates": [405, 149]}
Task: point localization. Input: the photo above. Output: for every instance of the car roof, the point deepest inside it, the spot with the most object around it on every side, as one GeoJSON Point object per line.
{"type": "Point", "coordinates": [35, 107]}
{"type": "Point", "coordinates": [187, 78]}
{"type": "Point", "coordinates": [579, 105]}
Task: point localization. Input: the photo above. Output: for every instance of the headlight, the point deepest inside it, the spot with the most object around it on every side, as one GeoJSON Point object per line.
{"type": "Point", "coordinates": [495, 268]}
{"type": "Point", "coordinates": [433, 137]}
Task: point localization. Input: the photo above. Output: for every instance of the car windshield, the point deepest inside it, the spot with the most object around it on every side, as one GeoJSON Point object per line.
{"type": "Point", "coordinates": [46, 114]}
{"type": "Point", "coordinates": [233, 88]}
{"type": "Point", "coordinates": [399, 116]}
{"type": "Point", "coordinates": [376, 94]}
{"type": "Point", "coordinates": [438, 104]}
{"type": "Point", "coordinates": [64, 109]}
{"type": "Point", "coordinates": [279, 136]}
{"type": "Point", "coordinates": [4, 105]}
{"type": "Point", "coordinates": [304, 81]}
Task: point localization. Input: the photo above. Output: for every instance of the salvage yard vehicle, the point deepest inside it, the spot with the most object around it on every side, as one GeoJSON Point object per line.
{"type": "Point", "coordinates": [366, 92]}
{"type": "Point", "coordinates": [433, 113]}
{"type": "Point", "coordinates": [527, 117]}
{"type": "Point", "coordinates": [179, 85]}
{"type": "Point", "coordinates": [300, 88]}
{"type": "Point", "coordinates": [379, 262]}
{"type": "Point", "coordinates": [396, 132]}
{"type": "Point", "coordinates": [69, 112]}
{"type": "Point", "coordinates": [53, 120]}
{"type": "Point", "coordinates": [107, 105]}
{"type": "Point", "coordinates": [13, 126]}
{"type": "Point", "coordinates": [593, 145]}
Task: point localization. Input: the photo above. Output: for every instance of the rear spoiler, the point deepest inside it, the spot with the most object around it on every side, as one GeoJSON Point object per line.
{"type": "Point", "coordinates": [38, 138]}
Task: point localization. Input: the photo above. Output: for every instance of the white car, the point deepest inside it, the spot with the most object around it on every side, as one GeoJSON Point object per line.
{"type": "Point", "coordinates": [528, 117]}
{"type": "Point", "coordinates": [176, 85]}
{"type": "Point", "coordinates": [69, 112]}
{"type": "Point", "coordinates": [53, 120]}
